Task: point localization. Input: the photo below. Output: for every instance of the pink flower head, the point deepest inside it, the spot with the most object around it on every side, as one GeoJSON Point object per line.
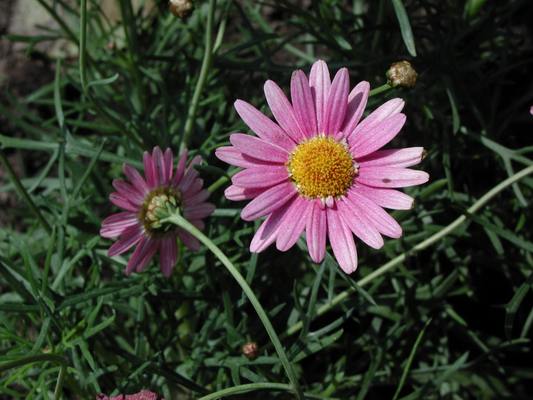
{"type": "Point", "coordinates": [145, 199]}
{"type": "Point", "coordinates": [319, 168]}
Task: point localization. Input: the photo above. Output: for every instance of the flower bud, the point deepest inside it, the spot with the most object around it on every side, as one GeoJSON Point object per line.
{"type": "Point", "coordinates": [180, 8]}
{"type": "Point", "coordinates": [402, 74]}
{"type": "Point", "coordinates": [250, 350]}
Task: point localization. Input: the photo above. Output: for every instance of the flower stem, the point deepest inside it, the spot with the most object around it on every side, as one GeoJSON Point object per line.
{"type": "Point", "coordinates": [380, 89]}
{"type": "Point", "coordinates": [22, 192]}
{"type": "Point", "coordinates": [204, 70]}
{"type": "Point", "coordinates": [178, 220]}
{"type": "Point", "coordinates": [420, 246]}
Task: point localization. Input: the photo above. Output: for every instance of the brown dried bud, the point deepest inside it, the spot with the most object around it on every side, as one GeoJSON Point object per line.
{"type": "Point", "coordinates": [250, 350]}
{"type": "Point", "coordinates": [180, 8]}
{"type": "Point", "coordinates": [402, 74]}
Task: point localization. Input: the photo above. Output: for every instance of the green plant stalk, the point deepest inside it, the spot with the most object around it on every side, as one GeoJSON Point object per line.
{"type": "Point", "coordinates": [126, 11]}
{"type": "Point", "coordinates": [380, 89]}
{"type": "Point", "coordinates": [204, 70]}
{"type": "Point", "coordinates": [419, 247]}
{"type": "Point", "coordinates": [410, 360]}
{"type": "Point", "coordinates": [83, 45]}
{"type": "Point", "coordinates": [59, 383]}
{"type": "Point", "coordinates": [32, 359]}
{"type": "Point", "coordinates": [178, 220]}
{"type": "Point", "coordinates": [83, 76]}
{"type": "Point", "coordinates": [59, 21]}
{"type": "Point", "coordinates": [23, 193]}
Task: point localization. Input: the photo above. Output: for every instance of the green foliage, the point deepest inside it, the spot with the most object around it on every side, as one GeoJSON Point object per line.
{"type": "Point", "coordinates": [449, 320]}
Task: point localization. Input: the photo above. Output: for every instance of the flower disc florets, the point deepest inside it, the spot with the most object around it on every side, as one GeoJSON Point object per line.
{"type": "Point", "coordinates": [321, 167]}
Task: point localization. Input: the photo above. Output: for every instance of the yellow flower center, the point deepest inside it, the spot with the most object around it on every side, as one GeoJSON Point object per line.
{"type": "Point", "coordinates": [321, 167]}
{"type": "Point", "coordinates": [156, 206]}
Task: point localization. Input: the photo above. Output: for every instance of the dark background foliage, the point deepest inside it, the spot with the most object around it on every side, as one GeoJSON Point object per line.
{"type": "Point", "coordinates": [451, 322]}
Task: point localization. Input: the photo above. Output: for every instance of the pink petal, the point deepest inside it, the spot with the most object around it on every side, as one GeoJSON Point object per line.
{"type": "Point", "coordinates": [128, 191]}
{"type": "Point", "coordinates": [236, 193]}
{"type": "Point", "coordinates": [260, 177]}
{"type": "Point", "coordinates": [388, 198]}
{"type": "Point", "coordinates": [128, 239]}
{"type": "Point", "coordinates": [303, 103]}
{"type": "Point", "coordinates": [267, 232]}
{"type": "Point", "coordinates": [320, 83]}
{"type": "Point", "coordinates": [180, 168]}
{"type": "Point", "coordinates": [268, 201]}
{"type": "Point", "coordinates": [115, 224]}
{"type": "Point", "coordinates": [233, 156]}
{"type": "Point", "coordinates": [386, 110]}
{"type": "Point", "coordinates": [194, 188]}
{"type": "Point", "coordinates": [136, 179]}
{"type": "Point", "coordinates": [120, 201]}
{"type": "Point", "coordinates": [388, 177]}
{"type": "Point", "coordinates": [188, 240]}
{"type": "Point", "coordinates": [374, 138]}
{"type": "Point", "coordinates": [383, 222]}
{"type": "Point", "coordinates": [142, 255]}
{"type": "Point", "coordinates": [150, 251]}
{"type": "Point", "coordinates": [263, 126]}
{"type": "Point", "coordinates": [197, 198]}
{"type": "Point", "coordinates": [282, 111]}
{"type": "Point", "coordinates": [169, 165]}
{"type": "Point", "coordinates": [259, 148]}
{"type": "Point", "coordinates": [191, 174]}
{"type": "Point", "coordinates": [316, 228]}
{"type": "Point", "coordinates": [357, 100]}
{"type": "Point", "coordinates": [354, 217]}
{"type": "Point", "coordinates": [198, 223]}
{"type": "Point", "coordinates": [293, 223]}
{"type": "Point", "coordinates": [342, 242]}
{"type": "Point", "coordinates": [159, 162]}
{"type": "Point", "coordinates": [168, 255]}
{"type": "Point", "coordinates": [396, 158]}
{"type": "Point", "coordinates": [150, 171]}
{"type": "Point", "coordinates": [337, 102]}
{"type": "Point", "coordinates": [201, 210]}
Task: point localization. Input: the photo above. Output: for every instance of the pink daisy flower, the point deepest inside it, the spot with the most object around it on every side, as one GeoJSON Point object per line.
{"type": "Point", "coordinates": [320, 169]}
{"type": "Point", "coordinates": [146, 201]}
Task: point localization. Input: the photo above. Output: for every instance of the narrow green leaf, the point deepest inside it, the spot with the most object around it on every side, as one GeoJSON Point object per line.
{"type": "Point", "coordinates": [405, 26]}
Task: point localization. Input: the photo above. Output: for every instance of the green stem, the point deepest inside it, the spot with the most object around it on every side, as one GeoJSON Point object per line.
{"type": "Point", "coordinates": [380, 89]}
{"type": "Point", "coordinates": [419, 247]}
{"type": "Point", "coordinates": [206, 63]}
{"type": "Point", "coordinates": [217, 184]}
{"type": "Point", "coordinates": [22, 192]}
{"type": "Point", "coordinates": [83, 44]}
{"type": "Point", "coordinates": [59, 383]}
{"type": "Point", "coordinates": [31, 359]}
{"type": "Point", "coordinates": [178, 220]}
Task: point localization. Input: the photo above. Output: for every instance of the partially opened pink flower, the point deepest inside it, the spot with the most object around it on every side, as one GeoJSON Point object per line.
{"type": "Point", "coordinates": [319, 169]}
{"type": "Point", "coordinates": [146, 200]}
